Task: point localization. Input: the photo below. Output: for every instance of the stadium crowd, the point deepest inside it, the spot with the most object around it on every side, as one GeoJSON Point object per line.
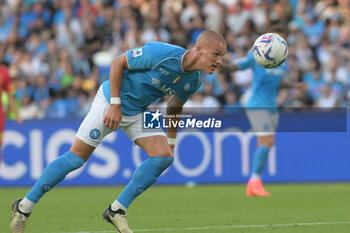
{"type": "Point", "coordinates": [59, 51]}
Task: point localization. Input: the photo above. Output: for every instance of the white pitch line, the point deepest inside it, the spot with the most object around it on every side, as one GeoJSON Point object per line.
{"type": "Point", "coordinates": [223, 227]}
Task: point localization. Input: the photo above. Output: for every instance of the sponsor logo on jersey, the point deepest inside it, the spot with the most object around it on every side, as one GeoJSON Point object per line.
{"type": "Point", "coordinates": [163, 71]}
{"type": "Point", "coordinates": [162, 87]}
{"type": "Point", "coordinates": [155, 81]}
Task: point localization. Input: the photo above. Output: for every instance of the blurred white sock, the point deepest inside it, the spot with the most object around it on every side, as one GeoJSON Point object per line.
{"type": "Point", "coordinates": [116, 206]}
{"type": "Point", "coordinates": [255, 177]}
{"type": "Point", "coordinates": [26, 206]}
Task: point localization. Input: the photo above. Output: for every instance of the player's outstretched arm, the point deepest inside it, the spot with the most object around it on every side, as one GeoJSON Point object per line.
{"type": "Point", "coordinates": [173, 112]}
{"type": "Point", "coordinates": [229, 66]}
{"type": "Point", "coordinates": [114, 114]}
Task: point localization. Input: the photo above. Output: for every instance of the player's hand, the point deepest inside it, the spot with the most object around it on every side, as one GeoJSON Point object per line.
{"type": "Point", "coordinates": [113, 116]}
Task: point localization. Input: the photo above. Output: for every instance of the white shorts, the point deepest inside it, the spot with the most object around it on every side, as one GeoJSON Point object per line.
{"type": "Point", "coordinates": [263, 122]}
{"type": "Point", "coordinates": [92, 130]}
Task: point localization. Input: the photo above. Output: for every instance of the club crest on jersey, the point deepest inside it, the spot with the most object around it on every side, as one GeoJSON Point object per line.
{"type": "Point", "coordinates": [136, 52]}
{"type": "Point", "coordinates": [176, 80]}
{"type": "Point", "coordinates": [95, 134]}
{"type": "Point", "coordinates": [187, 86]}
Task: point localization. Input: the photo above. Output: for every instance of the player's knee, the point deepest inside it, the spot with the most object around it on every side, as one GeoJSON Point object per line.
{"type": "Point", "coordinates": [161, 152]}
{"type": "Point", "coordinates": [82, 150]}
{"type": "Point", "coordinates": [267, 141]}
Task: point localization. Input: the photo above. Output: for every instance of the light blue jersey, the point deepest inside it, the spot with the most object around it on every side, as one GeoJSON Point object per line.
{"type": "Point", "coordinates": [155, 71]}
{"type": "Point", "coordinates": [265, 83]}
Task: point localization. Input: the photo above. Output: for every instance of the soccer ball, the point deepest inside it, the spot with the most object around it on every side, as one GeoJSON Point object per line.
{"type": "Point", "coordinates": [270, 50]}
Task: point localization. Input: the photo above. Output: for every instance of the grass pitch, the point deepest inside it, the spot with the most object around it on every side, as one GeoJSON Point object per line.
{"type": "Point", "coordinates": [304, 208]}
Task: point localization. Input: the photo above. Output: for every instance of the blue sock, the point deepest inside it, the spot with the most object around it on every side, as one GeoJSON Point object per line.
{"type": "Point", "coordinates": [144, 176]}
{"type": "Point", "coordinates": [259, 160]}
{"type": "Point", "coordinates": [53, 174]}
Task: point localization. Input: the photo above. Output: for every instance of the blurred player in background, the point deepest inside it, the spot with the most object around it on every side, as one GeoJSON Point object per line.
{"type": "Point", "coordinates": [262, 110]}
{"type": "Point", "coordinates": [137, 79]}
{"type": "Point", "coordinates": [6, 86]}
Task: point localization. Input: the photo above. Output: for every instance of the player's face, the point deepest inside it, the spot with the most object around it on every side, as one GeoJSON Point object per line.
{"type": "Point", "coordinates": [212, 55]}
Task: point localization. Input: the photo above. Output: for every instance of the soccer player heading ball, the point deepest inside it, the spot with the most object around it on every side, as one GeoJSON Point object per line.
{"type": "Point", "coordinates": [137, 78]}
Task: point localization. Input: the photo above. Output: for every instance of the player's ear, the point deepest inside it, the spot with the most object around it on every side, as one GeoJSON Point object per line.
{"type": "Point", "coordinates": [199, 49]}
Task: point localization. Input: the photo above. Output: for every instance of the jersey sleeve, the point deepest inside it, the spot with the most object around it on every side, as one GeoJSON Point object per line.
{"type": "Point", "coordinates": [184, 96]}
{"type": "Point", "coordinates": [146, 57]}
{"type": "Point", "coordinates": [247, 62]}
